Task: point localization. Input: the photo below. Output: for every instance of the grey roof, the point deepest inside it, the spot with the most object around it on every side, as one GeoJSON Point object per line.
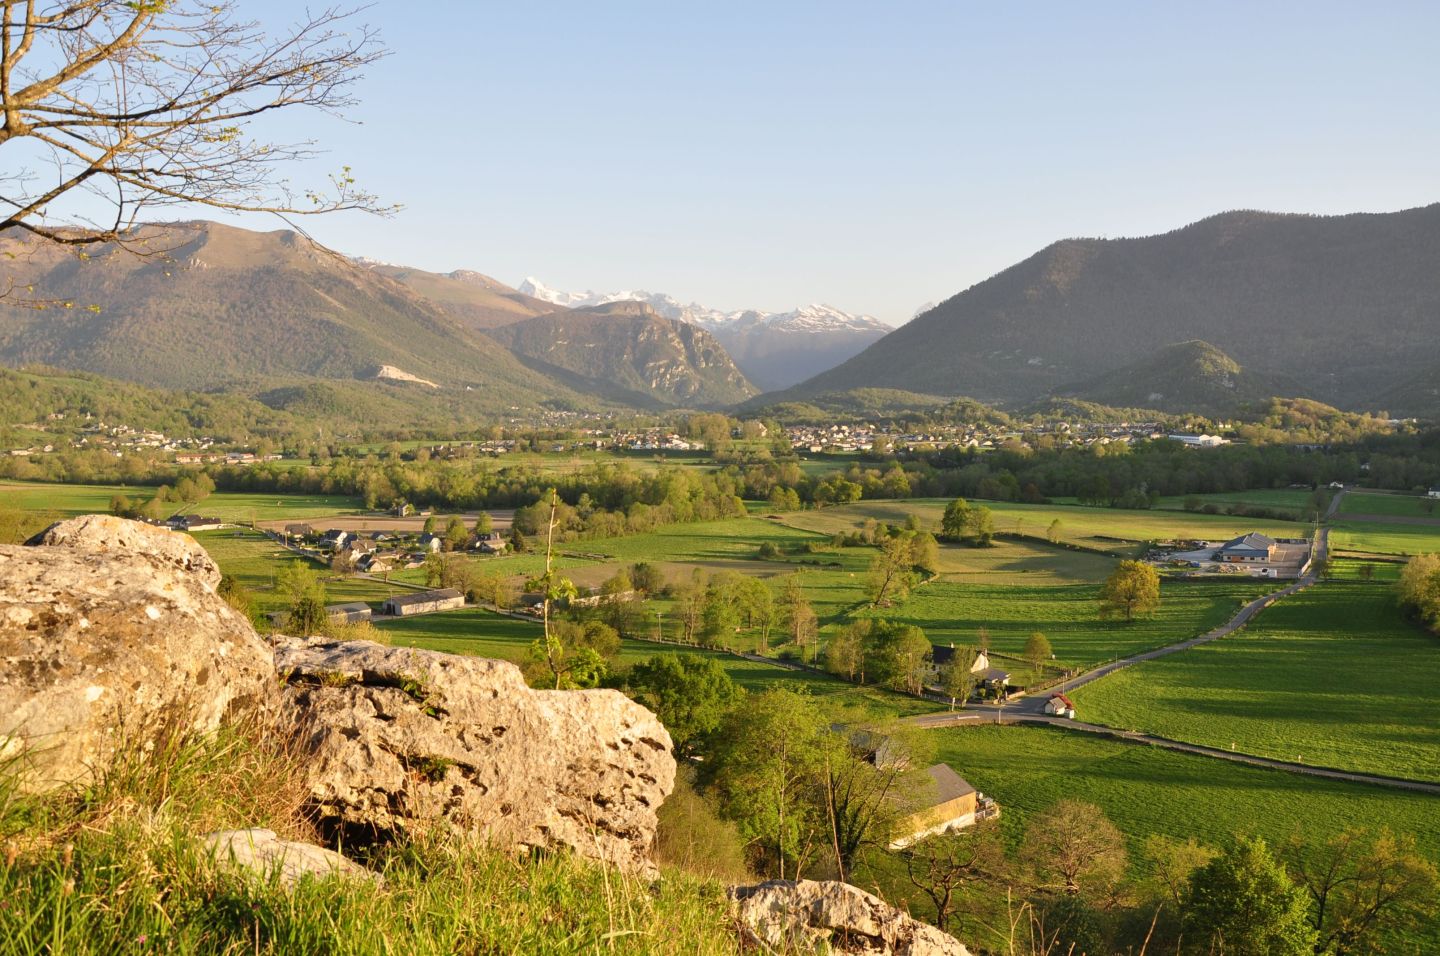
{"type": "Point", "coordinates": [423, 597]}
{"type": "Point", "coordinates": [948, 784]}
{"type": "Point", "coordinates": [1254, 541]}
{"type": "Point", "coordinates": [347, 608]}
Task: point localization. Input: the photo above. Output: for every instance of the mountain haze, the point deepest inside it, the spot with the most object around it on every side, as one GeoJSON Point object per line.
{"type": "Point", "coordinates": [1343, 306]}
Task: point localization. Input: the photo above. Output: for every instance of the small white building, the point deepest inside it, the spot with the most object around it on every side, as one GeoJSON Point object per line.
{"type": "Point", "coordinates": [1060, 706]}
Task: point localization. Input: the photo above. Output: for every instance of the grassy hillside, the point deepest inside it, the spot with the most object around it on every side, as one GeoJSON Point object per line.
{"type": "Point", "coordinates": [213, 305]}
{"type": "Point", "coordinates": [1344, 304]}
{"type": "Point", "coordinates": [1188, 377]}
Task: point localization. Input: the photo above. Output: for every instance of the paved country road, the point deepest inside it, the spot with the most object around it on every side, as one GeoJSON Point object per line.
{"type": "Point", "coordinates": [1031, 709]}
{"type": "Point", "coordinates": [1034, 706]}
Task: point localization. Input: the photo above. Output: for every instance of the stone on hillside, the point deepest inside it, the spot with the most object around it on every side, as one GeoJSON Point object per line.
{"type": "Point", "coordinates": [106, 534]}
{"type": "Point", "coordinates": [263, 853]}
{"type": "Point", "coordinates": [827, 916]}
{"type": "Point", "coordinates": [107, 649]}
{"type": "Point", "coordinates": [401, 739]}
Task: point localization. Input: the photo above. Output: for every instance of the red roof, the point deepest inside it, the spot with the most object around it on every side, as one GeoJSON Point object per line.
{"type": "Point", "coordinates": [1064, 698]}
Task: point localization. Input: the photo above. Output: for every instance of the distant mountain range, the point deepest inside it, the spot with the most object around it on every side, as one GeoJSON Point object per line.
{"type": "Point", "coordinates": [1343, 309]}
{"type": "Point", "coordinates": [630, 354]}
{"type": "Point", "coordinates": [206, 306]}
{"type": "Point", "coordinates": [1221, 314]}
{"type": "Point", "coordinates": [774, 349]}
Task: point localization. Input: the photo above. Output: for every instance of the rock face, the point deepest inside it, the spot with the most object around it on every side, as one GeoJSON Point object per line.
{"type": "Point", "coordinates": [403, 738]}
{"type": "Point", "coordinates": [105, 534]}
{"type": "Point", "coordinates": [262, 852]}
{"type": "Point", "coordinates": [103, 648]}
{"type": "Point", "coordinates": [810, 916]}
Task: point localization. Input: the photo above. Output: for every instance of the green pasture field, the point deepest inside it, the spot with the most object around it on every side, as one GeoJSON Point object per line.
{"type": "Point", "coordinates": [1146, 790]}
{"type": "Point", "coordinates": [1287, 499]}
{"type": "Point", "coordinates": [66, 500]}
{"type": "Point", "coordinates": [1374, 503]}
{"type": "Point", "coordinates": [1334, 676]}
{"type": "Point", "coordinates": [1022, 562]}
{"type": "Point", "coordinates": [486, 634]}
{"type": "Point", "coordinates": [1374, 537]}
{"type": "Point", "coordinates": [1069, 616]}
{"type": "Point", "coordinates": [1090, 527]}
{"type": "Point", "coordinates": [229, 506]}
{"type": "Point", "coordinates": [253, 559]}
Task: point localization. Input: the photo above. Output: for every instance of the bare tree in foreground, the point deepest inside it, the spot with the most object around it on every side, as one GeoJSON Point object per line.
{"type": "Point", "coordinates": [126, 105]}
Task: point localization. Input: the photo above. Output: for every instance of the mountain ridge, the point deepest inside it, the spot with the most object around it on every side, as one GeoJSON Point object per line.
{"type": "Point", "coordinates": [773, 349]}
{"type": "Point", "coordinates": [1337, 303]}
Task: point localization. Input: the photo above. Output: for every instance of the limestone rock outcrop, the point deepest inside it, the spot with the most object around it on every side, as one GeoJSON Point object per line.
{"type": "Point", "coordinates": [107, 534]}
{"type": "Point", "coordinates": [262, 852]}
{"type": "Point", "coordinates": [827, 916]}
{"type": "Point", "coordinates": [401, 738]}
{"type": "Point", "coordinates": [103, 648]}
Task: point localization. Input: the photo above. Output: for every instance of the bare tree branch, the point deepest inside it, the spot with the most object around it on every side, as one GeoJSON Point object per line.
{"type": "Point", "coordinates": [151, 103]}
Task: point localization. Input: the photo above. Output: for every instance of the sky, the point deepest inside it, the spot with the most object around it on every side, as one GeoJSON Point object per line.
{"type": "Point", "coordinates": [873, 156]}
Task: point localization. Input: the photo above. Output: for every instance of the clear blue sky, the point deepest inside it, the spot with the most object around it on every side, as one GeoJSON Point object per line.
{"type": "Point", "coordinates": [874, 156]}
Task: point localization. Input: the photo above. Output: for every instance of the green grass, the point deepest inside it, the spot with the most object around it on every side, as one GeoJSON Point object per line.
{"type": "Point", "coordinates": [1146, 790]}
{"type": "Point", "coordinates": [231, 506]}
{"type": "Point", "coordinates": [1369, 503]}
{"type": "Point", "coordinates": [1109, 529]}
{"type": "Point", "coordinates": [1374, 537]}
{"type": "Point", "coordinates": [118, 870]}
{"type": "Point", "coordinates": [1334, 676]}
{"type": "Point", "coordinates": [485, 634]}
{"type": "Point", "coordinates": [1069, 616]}
{"type": "Point", "coordinates": [1288, 499]}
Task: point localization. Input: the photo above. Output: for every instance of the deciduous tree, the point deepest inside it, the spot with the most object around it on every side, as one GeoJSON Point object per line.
{"type": "Point", "coordinates": [1244, 902]}
{"type": "Point", "coordinates": [1073, 847]}
{"type": "Point", "coordinates": [1362, 886]}
{"type": "Point", "coordinates": [691, 695]}
{"type": "Point", "coordinates": [1132, 588]}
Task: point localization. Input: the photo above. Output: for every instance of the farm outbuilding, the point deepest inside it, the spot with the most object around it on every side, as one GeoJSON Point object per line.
{"type": "Point", "coordinates": [952, 804]}
{"type": "Point", "coordinates": [423, 602]}
{"type": "Point", "coordinates": [352, 613]}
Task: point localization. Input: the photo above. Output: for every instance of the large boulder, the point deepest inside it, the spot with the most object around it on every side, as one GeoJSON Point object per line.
{"type": "Point", "coordinates": [108, 649]}
{"type": "Point", "coordinates": [401, 739]}
{"type": "Point", "coordinates": [107, 534]}
{"type": "Point", "coordinates": [811, 916]}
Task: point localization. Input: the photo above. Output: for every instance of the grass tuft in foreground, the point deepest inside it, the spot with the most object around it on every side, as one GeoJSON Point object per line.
{"type": "Point", "coordinates": [117, 869]}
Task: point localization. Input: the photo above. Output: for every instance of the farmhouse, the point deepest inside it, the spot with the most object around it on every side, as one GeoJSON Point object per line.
{"type": "Point", "coordinates": [953, 805]}
{"type": "Point", "coordinates": [352, 613]}
{"type": "Point", "coordinates": [197, 523]}
{"type": "Point", "coordinates": [1252, 548]}
{"type": "Point", "coordinates": [334, 539]}
{"type": "Point", "coordinates": [298, 530]}
{"type": "Point", "coordinates": [423, 602]}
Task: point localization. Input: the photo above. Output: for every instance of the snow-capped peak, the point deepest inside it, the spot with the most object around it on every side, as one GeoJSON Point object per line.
{"type": "Point", "coordinates": [815, 317]}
